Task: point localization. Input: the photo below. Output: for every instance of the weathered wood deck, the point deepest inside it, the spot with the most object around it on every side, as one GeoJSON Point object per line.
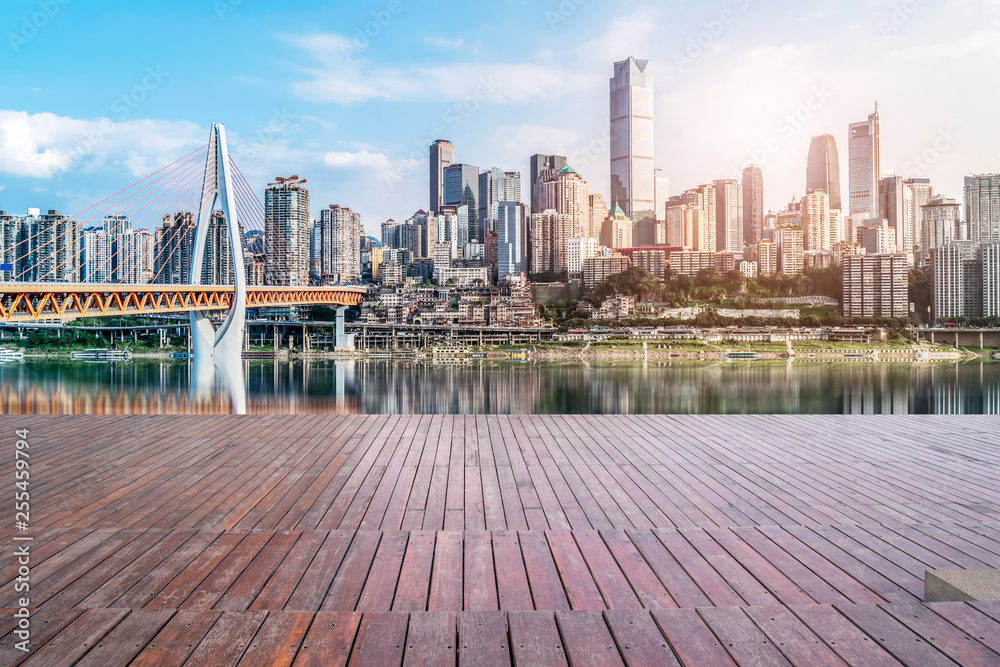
{"type": "Point", "coordinates": [528, 540]}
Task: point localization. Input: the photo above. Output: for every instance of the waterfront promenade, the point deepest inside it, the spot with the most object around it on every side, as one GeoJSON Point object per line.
{"type": "Point", "coordinates": [503, 539]}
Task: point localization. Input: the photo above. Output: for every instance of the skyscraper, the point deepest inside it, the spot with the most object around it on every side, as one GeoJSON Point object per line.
{"type": "Point", "coordinates": [174, 247]}
{"type": "Point", "coordinates": [512, 227]}
{"type": "Point", "coordinates": [753, 204]}
{"type": "Point", "coordinates": [895, 205]}
{"type": "Point", "coordinates": [340, 232]}
{"type": "Point", "coordinates": [939, 220]}
{"type": "Point", "coordinates": [539, 164]}
{"type": "Point", "coordinates": [286, 239]}
{"type": "Point", "coordinates": [729, 216]}
{"type": "Point", "coordinates": [815, 220]}
{"type": "Point", "coordinates": [442, 155]}
{"type": "Point", "coordinates": [632, 175]}
{"type": "Point", "coordinates": [982, 207]}
{"type": "Point", "coordinates": [865, 165]}
{"type": "Point", "coordinates": [495, 186]}
{"type": "Point", "coordinates": [661, 190]}
{"type": "Point", "coordinates": [823, 168]}
{"type": "Point", "coordinates": [461, 188]}
{"type": "Point", "coordinates": [598, 213]}
{"type": "Point", "coordinates": [702, 199]}
{"type": "Point", "coordinates": [566, 193]}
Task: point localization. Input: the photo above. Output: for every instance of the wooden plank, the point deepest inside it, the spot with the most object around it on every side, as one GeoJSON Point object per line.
{"type": "Point", "coordinates": [647, 586]}
{"type": "Point", "coordinates": [580, 587]}
{"type": "Point", "coordinates": [715, 587]}
{"type": "Point", "coordinates": [482, 639]}
{"type": "Point", "coordinates": [738, 634]}
{"type": "Point", "coordinates": [76, 638]}
{"type": "Point", "coordinates": [970, 621]}
{"type": "Point", "coordinates": [44, 624]}
{"type": "Point", "coordinates": [639, 640]}
{"type": "Point", "coordinates": [905, 645]}
{"type": "Point", "coordinates": [432, 638]}
{"type": "Point", "coordinates": [278, 639]}
{"type": "Point", "coordinates": [350, 580]}
{"type": "Point", "coordinates": [380, 587]}
{"type": "Point", "coordinates": [279, 588]}
{"type": "Point", "coordinates": [690, 638]}
{"type": "Point", "coordinates": [792, 637]}
{"type": "Point", "coordinates": [177, 640]}
{"type": "Point", "coordinates": [512, 579]}
{"type": "Point", "coordinates": [415, 573]}
{"type": "Point", "coordinates": [480, 586]}
{"type": "Point", "coordinates": [678, 583]}
{"type": "Point", "coordinates": [311, 589]}
{"type": "Point", "coordinates": [244, 590]}
{"type": "Point", "coordinates": [587, 639]}
{"type": "Point", "coordinates": [735, 574]}
{"type": "Point", "coordinates": [960, 646]}
{"type": "Point", "coordinates": [535, 640]}
{"type": "Point", "coordinates": [447, 588]}
{"type": "Point", "coordinates": [127, 638]}
{"type": "Point", "coordinates": [228, 639]}
{"type": "Point", "coordinates": [543, 577]}
{"type": "Point", "coordinates": [842, 636]}
{"type": "Point", "coordinates": [176, 590]}
{"type": "Point", "coordinates": [611, 581]}
{"type": "Point", "coordinates": [218, 581]}
{"type": "Point", "coordinates": [381, 639]}
{"type": "Point", "coordinates": [329, 640]}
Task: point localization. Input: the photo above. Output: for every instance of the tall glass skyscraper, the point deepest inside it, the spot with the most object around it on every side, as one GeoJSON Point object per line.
{"type": "Point", "coordinates": [865, 165]}
{"type": "Point", "coordinates": [495, 186]}
{"type": "Point", "coordinates": [442, 155]}
{"type": "Point", "coordinates": [632, 175]}
{"type": "Point", "coordinates": [823, 168]}
{"type": "Point", "coordinates": [753, 204]}
{"type": "Point", "coordinates": [461, 188]}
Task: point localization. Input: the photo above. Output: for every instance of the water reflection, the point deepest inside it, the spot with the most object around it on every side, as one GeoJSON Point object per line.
{"type": "Point", "coordinates": [50, 387]}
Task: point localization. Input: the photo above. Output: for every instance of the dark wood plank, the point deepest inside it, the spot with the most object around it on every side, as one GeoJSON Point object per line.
{"type": "Point", "coordinates": [415, 574]}
{"type": "Point", "coordinates": [310, 591]}
{"type": "Point", "coordinates": [741, 637]}
{"type": "Point", "coordinates": [793, 638]}
{"type": "Point", "coordinates": [678, 583]}
{"type": "Point", "coordinates": [639, 640]}
{"type": "Point", "coordinates": [76, 638]}
{"type": "Point", "coordinates": [512, 579]}
{"type": "Point", "coordinates": [353, 573]}
{"type": "Point", "coordinates": [127, 639]}
{"type": "Point", "coordinates": [647, 586]}
{"type": "Point", "coordinates": [960, 646]}
{"type": "Point", "coordinates": [580, 587]}
{"type": "Point", "coordinates": [177, 640]}
{"type": "Point", "coordinates": [480, 586]}
{"type": "Point", "coordinates": [611, 581]}
{"type": "Point", "coordinates": [447, 589]}
{"type": "Point", "coordinates": [970, 621]}
{"type": "Point", "coordinates": [381, 639]}
{"type": "Point", "coordinates": [905, 645]}
{"type": "Point", "coordinates": [279, 588]}
{"type": "Point", "coordinates": [244, 590]}
{"type": "Point", "coordinates": [380, 587]}
{"type": "Point", "coordinates": [691, 639]}
{"type": "Point", "coordinates": [278, 640]}
{"type": "Point", "coordinates": [587, 639]}
{"type": "Point", "coordinates": [543, 577]}
{"type": "Point", "coordinates": [228, 639]}
{"type": "Point", "coordinates": [432, 638]}
{"type": "Point", "coordinates": [535, 640]}
{"type": "Point", "coordinates": [482, 639]}
{"type": "Point", "coordinates": [329, 640]}
{"type": "Point", "coordinates": [842, 636]}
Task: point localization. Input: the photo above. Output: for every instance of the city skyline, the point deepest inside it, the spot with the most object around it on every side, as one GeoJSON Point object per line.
{"type": "Point", "coordinates": [367, 149]}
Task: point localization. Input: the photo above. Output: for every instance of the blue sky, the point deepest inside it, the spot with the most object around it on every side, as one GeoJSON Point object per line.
{"type": "Point", "coordinates": [94, 95]}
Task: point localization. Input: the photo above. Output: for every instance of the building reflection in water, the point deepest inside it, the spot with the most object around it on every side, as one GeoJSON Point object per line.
{"type": "Point", "coordinates": [300, 386]}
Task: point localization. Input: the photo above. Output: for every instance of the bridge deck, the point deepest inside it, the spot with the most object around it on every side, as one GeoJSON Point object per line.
{"type": "Point", "coordinates": [505, 539]}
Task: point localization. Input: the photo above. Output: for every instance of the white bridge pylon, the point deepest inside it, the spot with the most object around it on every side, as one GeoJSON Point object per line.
{"type": "Point", "coordinates": [219, 350]}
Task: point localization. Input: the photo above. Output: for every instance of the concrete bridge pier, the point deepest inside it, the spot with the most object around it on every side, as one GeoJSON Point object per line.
{"type": "Point", "coordinates": [343, 340]}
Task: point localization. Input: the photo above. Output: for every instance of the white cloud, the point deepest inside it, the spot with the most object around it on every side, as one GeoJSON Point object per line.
{"type": "Point", "coordinates": [360, 160]}
{"type": "Point", "coordinates": [541, 139]}
{"type": "Point", "coordinates": [444, 42]}
{"type": "Point", "coordinates": [42, 145]}
{"type": "Point", "coordinates": [342, 78]}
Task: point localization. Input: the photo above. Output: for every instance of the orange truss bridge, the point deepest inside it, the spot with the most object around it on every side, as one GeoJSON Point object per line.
{"type": "Point", "coordinates": [39, 301]}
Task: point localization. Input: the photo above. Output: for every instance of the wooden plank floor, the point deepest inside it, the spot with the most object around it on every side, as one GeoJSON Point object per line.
{"type": "Point", "coordinates": [516, 539]}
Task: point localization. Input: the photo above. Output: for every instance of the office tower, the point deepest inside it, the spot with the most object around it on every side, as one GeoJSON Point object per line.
{"type": "Point", "coordinates": [753, 204]}
{"type": "Point", "coordinates": [495, 186]}
{"type": "Point", "coordinates": [114, 227]}
{"type": "Point", "coordinates": [540, 164]}
{"type": "Point", "coordinates": [512, 239]}
{"type": "Point", "coordinates": [836, 226]}
{"type": "Point", "coordinates": [703, 198]}
{"type": "Point", "coordinates": [729, 216]}
{"type": "Point", "coordinates": [461, 188]}
{"type": "Point", "coordinates": [683, 225]}
{"type": "Point", "coordinates": [578, 250]}
{"type": "Point", "coordinates": [568, 194]}
{"type": "Point", "coordinates": [286, 241]}
{"type": "Point", "coordinates": [876, 286]}
{"type": "Point", "coordinates": [340, 244]}
{"type": "Point", "coordinates": [815, 220]}
{"type": "Point", "coordinates": [922, 193]}
{"type": "Point", "coordinates": [982, 207]}
{"type": "Point", "coordinates": [990, 253]}
{"type": "Point", "coordinates": [428, 224]}
{"type": "Point", "coordinates": [864, 165]}
{"type": "Point", "coordinates": [632, 175]}
{"type": "Point", "coordinates": [390, 233]}
{"type": "Point", "coordinates": [896, 207]}
{"type": "Point", "coordinates": [823, 168]}
{"type": "Point", "coordinates": [617, 229]}
{"type": "Point", "coordinates": [315, 251]}
{"type": "Point", "coordinates": [598, 214]}
{"type": "Point", "coordinates": [661, 194]}
{"type": "Point", "coordinates": [58, 240]}
{"type": "Point", "coordinates": [790, 251]}
{"type": "Point", "coordinates": [549, 235]}
{"type": "Point", "coordinates": [217, 264]}
{"type": "Point", "coordinates": [877, 237]}
{"type": "Point", "coordinates": [940, 222]}
{"type": "Point", "coordinates": [957, 281]}
{"type": "Point", "coordinates": [174, 251]}
{"type": "Point", "coordinates": [442, 155]}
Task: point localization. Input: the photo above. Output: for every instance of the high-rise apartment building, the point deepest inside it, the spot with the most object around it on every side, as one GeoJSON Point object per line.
{"type": "Point", "coordinates": [461, 188]}
{"type": "Point", "coordinates": [703, 198]}
{"type": "Point", "coordinates": [956, 281]}
{"type": "Point", "coordinates": [549, 236]}
{"type": "Point", "coordinates": [661, 186]}
{"type": "Point", "coordinates": [982, 207]}
{"type": "Point", "coordinates": [864, 165]}
{"type": "Point", "coordinates": [217, 265]}
{"type": "Point", "coordinates": [790, 251]}
{"type": "Point", "coordinates": [174, 250]}
{"type": "Point", "coordinates": [617, 231]}
{"type": "Point", "coordinates": [632, 171]}
{"type": "Point", "coordinates": [940, 219]}
{"type": "Point", "coordinates": [753, 204]}
{"type": "Point", "coordinates": [286, 238]}
{"type": "Point", "coordinates": [896, 207]}
{"type": "Point", "coordinates": [495, 186]}
{"type": "Point", "coordinates": [429, 232]}
{"type": "Point", "coordinates": [578, 250]}
{"type": "Point", "coordinates": [823, 168]}
{"type": "Point", "coordinates": [539, 165]}
{"type": "Point", "coordinates": [58, 240]}
{"type": "Point", "coordinates": [598, 214]}
{"type": "Point", "coordinates": [815, 220]}
{"type": "Point", "coordinates": [729, 216]}
{"type": "Point", "coordinates": [512, 242]}
{"type": "Point", "coordinates": [442, 154]}
{"type": "Point", "coordinates": [568, 194]}
{"type": "Point", "coordinates": [922, 192]}
{"type": "Point", "coordinates": [876, 286]}
{"type": "Point", "coordinates": [340, 244]}
{"type": "Point", "coordinates": [877, 238]}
